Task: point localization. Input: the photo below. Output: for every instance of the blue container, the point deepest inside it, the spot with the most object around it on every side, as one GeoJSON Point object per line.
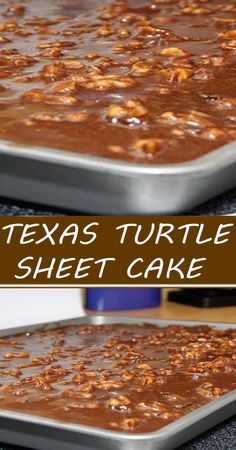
{"type": "Point", "coordinates": [115, 299]}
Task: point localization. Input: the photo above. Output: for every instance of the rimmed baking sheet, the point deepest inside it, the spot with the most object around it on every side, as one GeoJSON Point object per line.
{"type": "Point", "coordinates": [90, 184]}
{"type": "Point", "coordinates": [46, 434]}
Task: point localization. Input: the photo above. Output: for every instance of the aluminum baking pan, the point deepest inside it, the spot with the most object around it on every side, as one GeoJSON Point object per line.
{"type": "Point", "coordinates": [46, 434]}
{"type": "Point", "coordinates": [98, 185]}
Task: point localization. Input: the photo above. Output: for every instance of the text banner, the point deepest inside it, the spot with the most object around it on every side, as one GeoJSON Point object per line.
{"type": "Point", "coordinates": [91, 250]}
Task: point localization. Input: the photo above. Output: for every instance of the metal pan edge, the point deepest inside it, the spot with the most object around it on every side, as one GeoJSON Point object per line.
{"type": "Point", "coordinates": [166, 438]}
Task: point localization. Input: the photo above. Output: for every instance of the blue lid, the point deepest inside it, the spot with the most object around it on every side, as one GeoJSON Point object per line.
{"type": "Point", "coordinates": [115, 299]}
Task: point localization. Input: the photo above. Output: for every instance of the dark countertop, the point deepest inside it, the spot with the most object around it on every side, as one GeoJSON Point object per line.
{"type": "Point", "coordinates": [223, 204]}
{"type": "Point", "coordinates": [222, 437]}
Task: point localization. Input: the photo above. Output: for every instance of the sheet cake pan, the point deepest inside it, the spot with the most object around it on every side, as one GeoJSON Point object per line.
{"type": "Point", "coordinates": [97, 185]}
{"type": "Point", "coordinates": [46, 434]}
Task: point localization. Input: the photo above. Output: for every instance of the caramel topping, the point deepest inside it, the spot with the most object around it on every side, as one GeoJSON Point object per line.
{"type": "Point", "coordinates": [135, 378]}
{"type": "Point", "coordinates": [98, 77]}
